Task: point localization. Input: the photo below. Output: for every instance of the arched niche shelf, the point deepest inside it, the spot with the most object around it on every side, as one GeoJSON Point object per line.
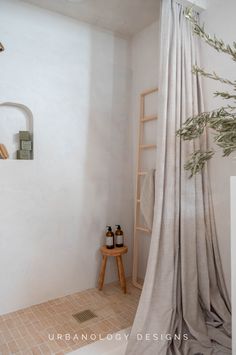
{"type": "Point", "coordinates": [26, 123]}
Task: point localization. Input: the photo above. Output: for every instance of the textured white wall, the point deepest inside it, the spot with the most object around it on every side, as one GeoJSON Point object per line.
{"type": "Point", "coordinates": [54, 209]}
{"type": "Point", "coordinates": [220, 20]}
{"type": "Point", "coordinates": [144, 57]}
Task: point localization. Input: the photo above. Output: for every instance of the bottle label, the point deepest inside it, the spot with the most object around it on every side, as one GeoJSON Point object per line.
{"type": "Point", "coordinates": [119, 239]}
{"type": "Point", "coordinates": [109, 241]}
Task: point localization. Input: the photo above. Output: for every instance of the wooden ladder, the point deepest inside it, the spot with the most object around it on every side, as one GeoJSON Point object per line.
{"type": "Point", "coordinates": [141, 146]}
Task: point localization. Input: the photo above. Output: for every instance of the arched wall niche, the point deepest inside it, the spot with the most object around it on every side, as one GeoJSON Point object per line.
{"type": "Point", "coordinates": [14, 117]}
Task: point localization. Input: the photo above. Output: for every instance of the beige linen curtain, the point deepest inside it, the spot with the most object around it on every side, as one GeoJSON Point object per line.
{"type": "Point", "coordinates": [184, 306]}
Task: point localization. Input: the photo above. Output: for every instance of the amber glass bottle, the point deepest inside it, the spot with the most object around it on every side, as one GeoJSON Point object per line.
{"type": "Point", "coordinates": [119, 237]}
{"type": "Point", "coordinates": [110, 238]}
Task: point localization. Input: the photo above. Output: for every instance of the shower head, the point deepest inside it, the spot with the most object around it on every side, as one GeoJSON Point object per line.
{"type": "Point", "coordinates": [1, 47]}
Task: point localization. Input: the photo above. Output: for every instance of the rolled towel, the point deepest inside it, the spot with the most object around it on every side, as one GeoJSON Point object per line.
{"type": "Point", "coordinates": [147, 198]}
{"type": "Point", "coordinates": [3, 152]}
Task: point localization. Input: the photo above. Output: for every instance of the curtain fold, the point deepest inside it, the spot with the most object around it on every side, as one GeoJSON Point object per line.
{"type": "Point", "coordinates": [184, 306]}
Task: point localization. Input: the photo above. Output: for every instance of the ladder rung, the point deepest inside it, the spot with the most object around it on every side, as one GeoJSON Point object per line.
{"type": "Point", "coordinates": [147, 146]}
{"type": "Point", "coordinates": [149, 118]}
{"type": "Point", "coordinates": [142, 173]}
{"type": "Point", "coordinates": [148, 92]}
{"type": "Point", "coordinates": [143, 229]}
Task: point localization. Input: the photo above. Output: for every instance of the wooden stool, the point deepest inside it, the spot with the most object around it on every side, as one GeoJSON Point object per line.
{"type": "Point", "coordinates": [117, 252]}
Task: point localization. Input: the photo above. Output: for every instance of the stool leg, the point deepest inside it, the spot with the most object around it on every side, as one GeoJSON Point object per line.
{"type": "Point", "coordinates": [102, 272]}
{"type": "Point", "coordinates": [117, 263]}
{"type": "Point", "coordinates": [121, 273]}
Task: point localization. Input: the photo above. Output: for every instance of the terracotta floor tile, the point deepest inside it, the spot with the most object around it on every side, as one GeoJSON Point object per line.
{"type": "Point", "coordinates": [2, 339]}
{"type": "Point", "coordinates": [4, 350]}
{"type": "Point", "coordinates": [22, 344]}
{"type": "Point", "coordinates": [30, 341]}
{"type": "Point", "coordinates": [27, 352]}
{"type": "Point", "coordinates": [29, 331]}
{"type": "Point", "coordinates": [53, 346]}
{"type": "Point", "coordinates": [15, 333]}
{"type": "Point", "coordinates": [45, 350]}
{"type": "Point", "coordinates": [10, 323]}
{"type": "Point", "coordinates": [70, 342]}
{"type": "Point", "coordinates": [37, 338]}
{"type": "Point", "coordinates": [13, 347]}
{"type": "Point", "coordinates": [77, 346]}
{"type": "Point", "coordinates": [7, 336]}
{"type": "Point", "coordinates": [61, 343]}
{"type": "Point", "coordinates": [22, 330]}
{"type": "Point", "coordinates": [36, 351]}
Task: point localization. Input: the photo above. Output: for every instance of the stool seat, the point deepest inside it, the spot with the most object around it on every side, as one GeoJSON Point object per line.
{"type": "Point", "coordinates": [113, 252]}
{"type": "Point", "coordinates": [117, 253]}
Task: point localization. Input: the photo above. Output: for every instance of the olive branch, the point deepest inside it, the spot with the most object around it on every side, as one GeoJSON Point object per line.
{"type": "Point", "coordinates": [221, 121]}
